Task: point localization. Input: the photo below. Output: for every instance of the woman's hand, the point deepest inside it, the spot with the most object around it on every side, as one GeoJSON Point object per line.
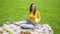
{"type": "Point", "coordinates": [36, 20]}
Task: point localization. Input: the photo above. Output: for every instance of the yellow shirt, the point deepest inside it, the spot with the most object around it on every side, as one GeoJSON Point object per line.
{"type": "Point", "coordinates": [33, 17]}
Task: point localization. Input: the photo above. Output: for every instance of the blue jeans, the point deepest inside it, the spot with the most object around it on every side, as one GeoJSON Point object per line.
{"type": "Point", "coordinates": [27, 25]}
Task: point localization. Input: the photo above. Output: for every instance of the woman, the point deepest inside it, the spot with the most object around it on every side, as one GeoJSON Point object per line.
{"type": "Point", "coordinates": [34, 15]}
{"type": "Point", "coordinates": [33, 18]}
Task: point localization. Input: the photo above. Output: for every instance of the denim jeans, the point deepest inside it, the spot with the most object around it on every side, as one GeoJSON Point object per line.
{"type": "Point", "coordinates": [27, 25]}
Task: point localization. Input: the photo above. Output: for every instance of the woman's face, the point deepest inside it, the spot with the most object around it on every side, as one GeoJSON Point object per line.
{"type": "Point", "coordinates": [33, 7]}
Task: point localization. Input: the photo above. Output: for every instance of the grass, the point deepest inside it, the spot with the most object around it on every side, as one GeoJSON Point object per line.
{"type": "Point", "coordinates": [17, 10]}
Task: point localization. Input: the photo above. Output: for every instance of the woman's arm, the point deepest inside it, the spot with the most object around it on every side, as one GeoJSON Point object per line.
{"type": "Point", "coordinates": [31, 16]}
{"type": "Point", "coordinates": [38, 15]}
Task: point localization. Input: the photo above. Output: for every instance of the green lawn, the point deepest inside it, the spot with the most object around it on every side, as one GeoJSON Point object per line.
{"type": "Point", "coordinates": [17, 10]}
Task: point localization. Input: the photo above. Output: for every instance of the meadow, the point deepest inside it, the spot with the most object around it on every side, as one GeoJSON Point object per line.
{"type": "Point", "coordinates": [17, 10]}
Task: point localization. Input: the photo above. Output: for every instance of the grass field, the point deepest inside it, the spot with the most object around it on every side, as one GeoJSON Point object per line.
{"type": "Point", "coordinates": [17, 10]}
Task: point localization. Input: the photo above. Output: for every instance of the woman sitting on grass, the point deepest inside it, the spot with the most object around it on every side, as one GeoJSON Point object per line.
{"type": "Point", "coordinates": [33, 18]}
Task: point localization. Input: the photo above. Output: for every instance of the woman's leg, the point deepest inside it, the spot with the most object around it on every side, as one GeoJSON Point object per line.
{"type": "Point", "coordinates": [28, 26]}
{"type": "Point", "coordinates": [25, 24]}
{"type": "Point", "coordinates": [19, 23]}
{"type": "Point", "coordinates": [22, 22]}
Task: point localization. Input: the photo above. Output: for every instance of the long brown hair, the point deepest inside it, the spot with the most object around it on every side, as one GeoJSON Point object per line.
{"type": "Point", "coordinates": [31, 8]}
